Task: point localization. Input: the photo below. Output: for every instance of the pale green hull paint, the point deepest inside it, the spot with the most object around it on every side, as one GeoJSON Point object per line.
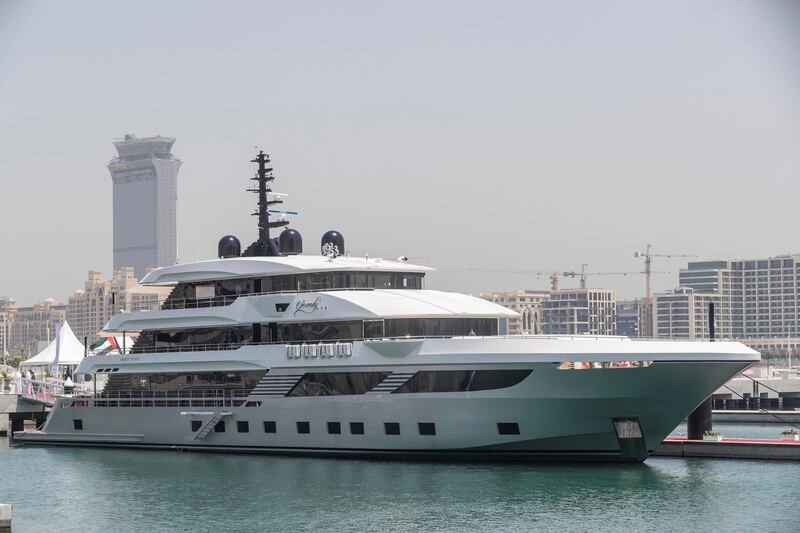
{"type": "Point", "coordinates": [561, 413]}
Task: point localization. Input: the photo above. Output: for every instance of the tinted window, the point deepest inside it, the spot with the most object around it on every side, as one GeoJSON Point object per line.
{"type": "Point", "coordinates": [337, 383]}
{"type": "Point", "coordinates": [196, 424]}
{"type": "Point", "coordinates": [338, 280]}
{"type": "Point", "coordinates": [357, 428]}
{"type": "Point", "coordinates": [382, 280]}
{"type": "Point", "coordinates": [243, 426]}
{"type": "Point", "coordinates": [233, 337]}
{"type": "Point", "coordinates": [462, 380]}
{"type": "Point", "coordinates": [269, 426]}
{"type": "Point", "coordinates": [234, 286]}
{"type": "Point", "coordinates": [220, 427]}
{"type": "Point", "coordinates": [187, 295]}
{"type": "Point", "coordinates": [334, 428]}
{"type": "Point", "coordinates": [440, 327]}
{"type": "Point", "coordinates": [177, 339]}
{"type": "Point", "coordinates": [303, 427]}
{"type": "Point", "coordinates": [373, 329]}
{"type": "Point", "coordinates": [391, 428]}
{"type": "Point", "coordinates": [185, 384]}
{"type": "Point", "coordinates": [320, 331]}
{"type": "Point", "coordinates": [427, 428]}
{"type": "Point", "coordinates": [77, 423]}
{"type": "Point", "coordinates": [508, 428]}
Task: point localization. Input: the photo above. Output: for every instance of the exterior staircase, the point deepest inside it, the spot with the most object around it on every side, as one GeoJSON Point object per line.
{"type": "Point", "coordinates": [392, 382]}
{"type": "Point", "coordinates": [208, 427]}
{"type": "Point", "coordinates": [276, 385]}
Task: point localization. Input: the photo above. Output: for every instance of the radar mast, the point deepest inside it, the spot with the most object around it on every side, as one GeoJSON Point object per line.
{"type": "Point", "coordinates": [265, 245]}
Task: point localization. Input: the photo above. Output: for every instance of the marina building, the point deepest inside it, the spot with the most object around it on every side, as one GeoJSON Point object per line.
{"type": "Point", "coordinates": [580, 312]}
{"type": "Point", "coordinates": [8, 308]}
{"type": "Point", "coordinates": [629, 318]}
{"type": "Point", "coordinates": [525, 302]}
{"type": "Point", "coordinates": [683, 313]}
{"type": "Point", "coordinates": [758, 298]}
{"type": "Point", "coordinates": [32, 328]}
{"type": "Point", "coordinates": [145, 177]}
{"type": "Point", "coordinates": [89, 309]}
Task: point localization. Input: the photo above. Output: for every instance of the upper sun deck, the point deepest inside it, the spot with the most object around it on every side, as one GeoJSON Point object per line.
{"type": "Point", "coordinates": [243, 267]}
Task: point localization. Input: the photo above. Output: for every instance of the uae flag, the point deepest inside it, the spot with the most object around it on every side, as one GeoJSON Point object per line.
{"type": "Point", "coordinates": [104, 346]}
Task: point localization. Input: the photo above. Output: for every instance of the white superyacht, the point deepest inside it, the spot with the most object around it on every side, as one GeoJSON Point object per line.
{"type": "Point", "coordinates": [278, 352]}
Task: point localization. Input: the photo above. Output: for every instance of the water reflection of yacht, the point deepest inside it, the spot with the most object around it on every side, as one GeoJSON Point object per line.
{"type": "Point", "coordinates": [274, 351]}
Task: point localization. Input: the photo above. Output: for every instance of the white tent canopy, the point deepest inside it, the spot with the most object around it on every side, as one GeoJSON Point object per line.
{"type": "Point", "coordinates": [70, 356]}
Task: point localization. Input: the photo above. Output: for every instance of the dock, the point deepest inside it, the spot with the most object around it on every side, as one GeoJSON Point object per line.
{"type": "Point", "coordinates": [729, 448]}
{"type": "Point", "coordinates": [16, 410]}
{"type": "Point", "coordinates": [757, 417]}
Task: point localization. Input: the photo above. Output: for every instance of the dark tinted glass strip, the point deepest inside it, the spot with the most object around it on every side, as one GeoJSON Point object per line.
{"type": "Point", "coordinates": [462, 380]}
{"type": "Point", "coordinates": [337, 383]}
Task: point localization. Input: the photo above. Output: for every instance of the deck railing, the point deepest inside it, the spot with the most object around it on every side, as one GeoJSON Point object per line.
{"type": "Point", "coordinates": [238, 345]}
{"type": "Point", "coordinates": [48, 390]}
{"type": "Point", "coordinates": [192, 398]}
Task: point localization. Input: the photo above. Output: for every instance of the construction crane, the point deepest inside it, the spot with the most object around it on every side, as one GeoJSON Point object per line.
{"type": "Point", "coordinates": [555, 275]}
{"type": "Point", "coordinates": [648, 265]}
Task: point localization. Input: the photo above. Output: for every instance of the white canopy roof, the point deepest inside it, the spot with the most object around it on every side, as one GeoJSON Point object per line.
{"type": "Point", "coordinates": [397, 303]}
{"type": "Point", "coordinates": [316, 306]}
{"type": "Point", "coordinates": [239, 267]}
{"type": "Point", "coordinates": [71, 351]}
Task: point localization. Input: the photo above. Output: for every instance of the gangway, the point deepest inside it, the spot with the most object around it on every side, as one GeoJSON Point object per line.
{"type": "Point", "coordinates": [47, 391]}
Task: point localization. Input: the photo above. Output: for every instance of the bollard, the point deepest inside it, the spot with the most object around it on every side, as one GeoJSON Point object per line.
{"type": "Point", "coordinates": [5, 518]}
{"type": "Point", "coordinates": [69, 387]}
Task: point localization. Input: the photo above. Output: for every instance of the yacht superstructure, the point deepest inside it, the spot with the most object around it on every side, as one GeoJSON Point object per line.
{"type": "Point", "coordinates": [274, 351]}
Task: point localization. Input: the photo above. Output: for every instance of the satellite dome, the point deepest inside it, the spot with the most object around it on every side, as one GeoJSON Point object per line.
{"type": "Point", "coordinates": [332, 243]}
{"type": "Point", "coordinates": [290, 242]}
{"type": "Point", "coordinates": [229, 246]}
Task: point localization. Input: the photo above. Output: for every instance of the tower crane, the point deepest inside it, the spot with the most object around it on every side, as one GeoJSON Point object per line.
{"type": "Point", "coordinates": [648, 264]}
{"type": "Point", "coordinates": [555, 275]}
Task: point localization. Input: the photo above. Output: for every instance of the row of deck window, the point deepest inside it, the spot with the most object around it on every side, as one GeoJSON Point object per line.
{"type": "Point", "coordinates": [185, 293]}
{"type": "Point", "coordinates": [356, 428]}
{"type": "Point", "coordinates": [316, 332]}
{"type": "Point", "coordinates": [334, 428]}
{"type": "Point", "coordinates": [220, 385]}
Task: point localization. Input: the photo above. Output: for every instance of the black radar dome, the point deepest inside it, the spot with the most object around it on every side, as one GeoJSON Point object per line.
{"type": "Point", "coordinates": [333, 238]}
{"type": "Point", "coordinates": [290, 242]}
{"type": "Point", "coordinates": [229, 246]}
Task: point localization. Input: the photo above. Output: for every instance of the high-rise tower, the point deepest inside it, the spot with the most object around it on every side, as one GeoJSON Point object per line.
{"type": "Point", "coordinates": [145, 177]}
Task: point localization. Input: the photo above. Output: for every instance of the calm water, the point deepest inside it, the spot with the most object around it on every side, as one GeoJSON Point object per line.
{"type": "Point", "coordinates": [74, 489]}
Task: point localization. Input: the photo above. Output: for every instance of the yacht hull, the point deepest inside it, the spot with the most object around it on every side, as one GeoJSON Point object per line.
{"type": "Point", "coordinates": [559, 414]}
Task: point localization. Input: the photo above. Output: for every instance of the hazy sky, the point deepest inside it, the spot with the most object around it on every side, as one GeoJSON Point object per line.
{"type": "Point", "coordinates": [518, 135]}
